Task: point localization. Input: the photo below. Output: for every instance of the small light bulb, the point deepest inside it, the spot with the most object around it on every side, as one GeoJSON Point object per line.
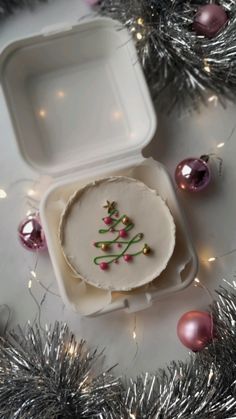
{"type": "Point", "coordinates": [140, 21]}
{"type": "Point", "coordinates": [196, 282]}
{"type": "Point", "coordinates": [31, 192]}
{"type": "Point", "coordinates": [33, 274]}
{"type": "Point", "coordinates": [207, 67]}
{"type": "Point", "coordinates": [211, 259]}
{"type": "Point", "coordinates": [30, 284]}
{"type": "Point", "coordinates": [134, 335]}
{"type": "Point", "coordinates": [61, 94]}
{"type": "Point", "coordinates": [139, 36]}
{"type": "Point", "coordinates": [3, 194]}
{"type": "Point", "coordinates": [117, 115]}
{"type": "Point", "coordinates": [42, 113]}
{"type": "Point", "coordinates": [213, 98]}
{"type": "Point", "coordinates": [71, 350]}
{"type": "Point", "coordinates": [220, 145]}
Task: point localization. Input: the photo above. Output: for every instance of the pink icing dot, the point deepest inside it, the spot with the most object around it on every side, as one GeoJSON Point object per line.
{"type": "Point", "coordinates": [107, 220]}
{"type": "Point", "coordinates": [122, 233]}
{"type": "Point", "coordinates": [103, 266]}
{"type": "Point", "coordinates": [128, 258]}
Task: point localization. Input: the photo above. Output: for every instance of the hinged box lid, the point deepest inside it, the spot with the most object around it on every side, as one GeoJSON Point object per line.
{"type": "Point", "coordinates": [77, 97]}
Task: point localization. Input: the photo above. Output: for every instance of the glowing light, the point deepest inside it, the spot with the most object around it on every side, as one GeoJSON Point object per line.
{"type": "Point", "coordinates": [196, 282]}
{"type": "Point", "coordinates": [33, 274]}
{"type": "Point", "coordinates": [117, 115]}
{"type": "Point", "coordinates": [132, 416]}
{"type": "Point", "coordinates": [220, 145]}
{"type": "Point", "coordinates": [212, 259]}
{"type": "Point", "coordinates": [132, 29]}
{"type": "Point", "coordinates": [140, 21]}
{"type": "Point", "coordinates": [30, 284]}
{"type": "Point", "coordinates": [207, 68]}
{"type": "Point", "coordinates": [134, 335]}
{"type": "Point", "coordinates": [71, 350]}
{"type": "Point", "coordinates": [31, 192]}
{"type": "Point", "coordinates": [42, 113]}
{"type": "Point", "coordinates": [3, 194]}
{"type": "Point", "coordinates": [61, 94]}
{"type": "Point", "coordinates": [139, 36]}
{"type": "Point", "coordinates": [213, 99]}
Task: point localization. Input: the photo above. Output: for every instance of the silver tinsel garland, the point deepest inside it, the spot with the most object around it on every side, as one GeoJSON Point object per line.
{"type": "Point", "coordinates": [179, 65]}
{"type": "Point", "coordinates": [49, 375]}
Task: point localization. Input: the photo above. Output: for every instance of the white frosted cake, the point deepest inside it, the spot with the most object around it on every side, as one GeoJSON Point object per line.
{"type": "Point", "coordinates": [117, 234]}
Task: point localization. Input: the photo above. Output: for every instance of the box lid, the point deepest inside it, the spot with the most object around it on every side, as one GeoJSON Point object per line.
{"type": "Point", "coordinates": [77, 98]}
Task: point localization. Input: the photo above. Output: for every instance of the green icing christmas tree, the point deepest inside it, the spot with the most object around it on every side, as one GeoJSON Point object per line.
{"type": "Point", "coordinates": [122, 227]}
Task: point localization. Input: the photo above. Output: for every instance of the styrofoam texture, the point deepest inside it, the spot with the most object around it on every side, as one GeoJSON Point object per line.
{"type": "Point", "coordinates": [77, 97]}
{"type": "Point", "coordinates": [180, 271]}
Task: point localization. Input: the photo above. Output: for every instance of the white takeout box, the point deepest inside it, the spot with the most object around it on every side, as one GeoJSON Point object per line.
{"type": "Point", "coordinates": [81, 110]}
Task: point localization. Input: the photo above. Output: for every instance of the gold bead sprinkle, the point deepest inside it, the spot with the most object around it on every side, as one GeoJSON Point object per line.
{"type": "Point", "coordinates": [125, 220]}
{"type": "Point", "coordinates": [104, 247]}
{"type": "Point", "coordinates": [146, 250]}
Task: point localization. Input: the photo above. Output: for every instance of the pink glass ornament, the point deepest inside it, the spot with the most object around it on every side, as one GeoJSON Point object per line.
{"type": "Point", "coordinates": [195, 330]}
{"type": "Point", "coordinates": [193, 174]}
{"type": "Point", "coordinates": [209, 20]}
{"type": "Point", "coordinates": [31, 234]}
{"type": "Point", "coordinates": [107, 220]}
{"type": "Point", "coordinates": [123, 233]}
{"type": "Point", "coordinates": [104, 266]}
{"type": "Point", "coordinates": [128, 258]}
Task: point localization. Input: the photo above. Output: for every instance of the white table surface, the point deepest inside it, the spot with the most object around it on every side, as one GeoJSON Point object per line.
{"type": "Point", "coordinates": [211, 218]}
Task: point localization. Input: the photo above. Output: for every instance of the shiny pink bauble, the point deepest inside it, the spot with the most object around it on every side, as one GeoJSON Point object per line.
{"type": "Point", "coordinates": [209, 20]}
{"type": "Point", "coordinates": [195, 330]}
{"type": "Point", "coordinates": [31, 234]}
{"type": "Point", "coordinates": [104, 266]}
{"type": "Point", "coordinates": [192, 174]}
{"type": "Point", "coordinates": [107, 220]}
{"type": "Point", "coordinates": [128, 258]}
{"type": "Point", "coordinates": [123, 233]}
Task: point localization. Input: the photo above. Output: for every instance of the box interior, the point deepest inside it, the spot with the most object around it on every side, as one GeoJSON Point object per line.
{"type": "Point", "coordinates": [77, 97]}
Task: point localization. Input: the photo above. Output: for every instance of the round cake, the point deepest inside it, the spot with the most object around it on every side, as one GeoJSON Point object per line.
{"type": "Point", "coordinates": [117, 234]}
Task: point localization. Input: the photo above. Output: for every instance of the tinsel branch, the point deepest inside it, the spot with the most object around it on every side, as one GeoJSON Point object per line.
{"type": "Point", "coordinates": [179, 65]}
{"type": "Point", "coordinates": [52, 376]}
